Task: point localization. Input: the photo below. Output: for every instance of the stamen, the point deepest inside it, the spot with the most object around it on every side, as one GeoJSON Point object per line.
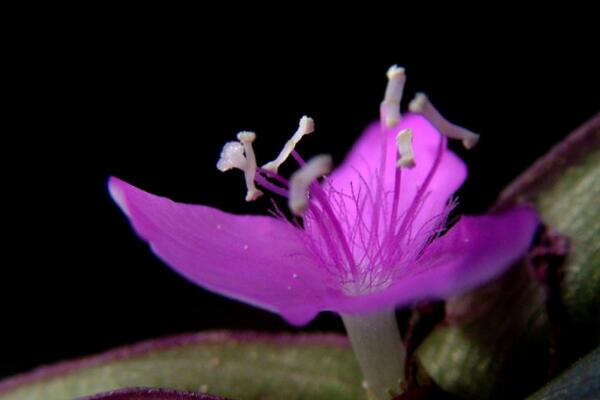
{"type": "Point", "coordinates": [404, 142]}
{"type": "Point", "coordinates": [390, 107]}
{"type": "Point", "coordinates": [421, 105]}
{"type": "Point", "coordinates": [241, 156]}
{"type": "Point", "coordinates": [250, 168]}
{"type": "Point", "coordinates": [306, 126]}
{"type": "Point", "coordinates": [301, 180]}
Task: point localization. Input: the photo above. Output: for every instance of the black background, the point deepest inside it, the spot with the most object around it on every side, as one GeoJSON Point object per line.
{"type": "Point", "coordinates": [151, 98]}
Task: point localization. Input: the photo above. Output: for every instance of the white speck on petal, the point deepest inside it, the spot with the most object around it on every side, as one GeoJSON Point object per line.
{"type": "Point", "coordinates": [245, 247]}
{"type": "Point", "coordinates": [219, 227]}
{"type": "Point", "coordinates": [295, 275]}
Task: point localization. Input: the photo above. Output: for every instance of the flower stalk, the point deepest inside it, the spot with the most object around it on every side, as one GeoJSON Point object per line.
{"type": "Point", "coordinates": [379, 350]}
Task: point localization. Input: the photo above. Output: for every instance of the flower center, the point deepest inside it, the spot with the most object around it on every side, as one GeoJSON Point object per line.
{"type": "Point", "coordinates": [362, 238]}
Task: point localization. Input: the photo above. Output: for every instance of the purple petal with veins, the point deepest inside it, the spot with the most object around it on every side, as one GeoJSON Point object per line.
{"type": "Point", "coordinates": [372, 237]}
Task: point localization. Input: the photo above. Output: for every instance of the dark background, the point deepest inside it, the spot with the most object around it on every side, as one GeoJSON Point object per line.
{"type": "Point", "coordinates": [152, 99]}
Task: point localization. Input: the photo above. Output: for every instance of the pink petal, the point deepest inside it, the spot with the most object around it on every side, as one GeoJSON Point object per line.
{"type": "Point", "coordinates": [475, 251]}
{"type": "Point", "coordinates": [365, 157]}
{"type": "Point", "coordinates": [256, 259]}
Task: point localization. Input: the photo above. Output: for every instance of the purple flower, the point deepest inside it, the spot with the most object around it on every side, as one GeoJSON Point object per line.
{"type": "Point", "coordinates": [369, 236]}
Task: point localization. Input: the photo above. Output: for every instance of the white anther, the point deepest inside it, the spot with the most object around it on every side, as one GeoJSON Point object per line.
{"type": "Point", "coordinates": [421, 105]}
{"type": "Point", "coordinates": [390, 107]}
{"type": "Point", "coordinates": [232, 156]}
{"type": "Point", "coordinates": [306, 126]}
{"type": "Point", "coordinates": [240, 155]}
{"type": "Point", "coordinates": [301, 180]}
{"type": "Point", "coordinates": [404, 143]}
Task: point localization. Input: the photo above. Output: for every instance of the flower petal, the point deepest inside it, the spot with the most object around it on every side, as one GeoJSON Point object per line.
{"type": "Point", "coordinates": [364, 160]}
{"type": "Point", "coordinates": [475, 251]}
{"type": "Point", "coordinates": [256, 259]}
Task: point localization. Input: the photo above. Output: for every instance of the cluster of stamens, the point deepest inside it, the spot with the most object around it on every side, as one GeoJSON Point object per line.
{"type": "Point", "coordinates": [306, 195]}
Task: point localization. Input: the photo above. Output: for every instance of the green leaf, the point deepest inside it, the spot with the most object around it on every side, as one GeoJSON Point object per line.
{"type": "Point", "coordinates": [498, 341]}
{"type": "Point", "coordinates": [233, 365]}
{"type": "Point", "coordinates": [581, 381]}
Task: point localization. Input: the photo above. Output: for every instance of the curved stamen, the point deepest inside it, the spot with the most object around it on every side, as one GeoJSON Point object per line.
{"type": "Point", "coordinates": [421, 105]}
{"type": "Point", "coordinates": [305, 127]}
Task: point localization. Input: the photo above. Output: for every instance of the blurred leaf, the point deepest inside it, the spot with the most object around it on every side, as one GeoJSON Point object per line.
{"type": "Point", "coordinates": [581, 381]}
{"type": "Point", "coordinates": [502, 340]}
{"type": "Point", "coordinates": [565, 188]}
{"type": "Point", "coordinates": [233, 365]}
{"type": "Point", "coordinates": [493, 343]}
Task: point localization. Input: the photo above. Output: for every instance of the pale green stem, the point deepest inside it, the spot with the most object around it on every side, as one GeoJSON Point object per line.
{"type": "Point", "coordinates": [379, 350]}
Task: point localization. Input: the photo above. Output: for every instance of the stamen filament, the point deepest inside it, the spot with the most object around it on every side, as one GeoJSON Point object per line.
{"type": "Point", "coordinates": [298, 158]}
{"type": "Point", "coordinates": [421, 105]}
{"type": "Point", "coordinates": [390, 117]}
{"type": "Point", "coordinates": [271, 187]}
{"type": "Point", "coordinates": [321, 197]}
{"type": "Point", "coordinates": [332, 248]}
{"type": "Point", "coordinates": [396, 199]}
{"type": "Point", "coordinates": [414, 206]}
{"type": "Point", "coordinates": [272, 175]}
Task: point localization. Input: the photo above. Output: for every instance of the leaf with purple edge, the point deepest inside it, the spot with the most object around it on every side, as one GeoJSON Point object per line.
{"type": "Point", "coordinates": [233, 365]}
{"type": "Point", "coordinates": [151, 394]}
